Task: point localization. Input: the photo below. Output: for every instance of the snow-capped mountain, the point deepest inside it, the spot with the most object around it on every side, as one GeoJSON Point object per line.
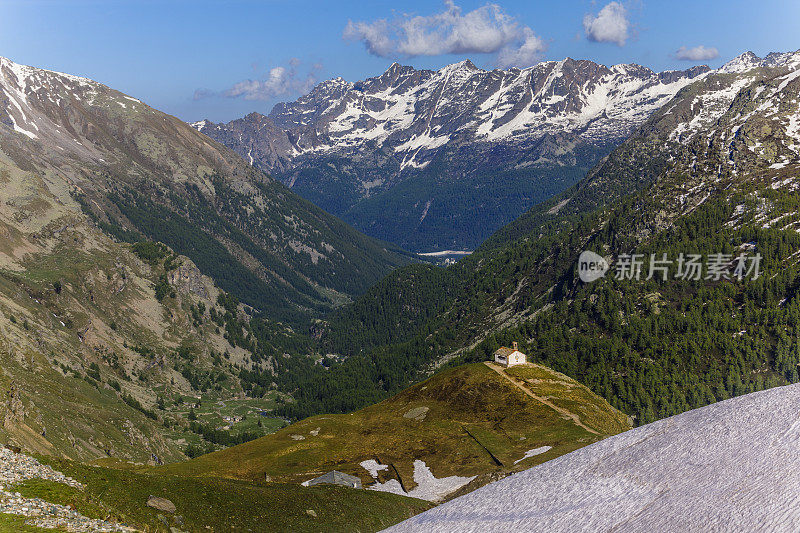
{"type": "Point", "coordinates": [414, 112]}
{"type": "Point", "coordinates": [730, 466]}
{"type": "Point", "coordinates": [414, 156]}
{"type": "Point", "coordinates": [738, 124]}
{"type": "Point", "coordinates": [732, 127]}
{"type": "Point", "coordinates": [716, 98]}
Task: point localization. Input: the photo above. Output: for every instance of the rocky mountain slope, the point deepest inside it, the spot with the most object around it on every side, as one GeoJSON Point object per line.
{"type": "Point", "coordinates": [18, 468]}
{"type": "Point", "coordinates": [726, 467]}
{"type": "Point", "coordinates": [441, 159]}
{"type": "Point", "coordinates": [85, 338]}
{"type": "Point", "coordinates": [106, 336]}
{"type": "Point", "coordinates": [97, 334]}
{"type": "Point", "coordinates": [712, 172]}
{"type": "Point", "coordinates": [141, 173]}
{"type": "Point", "coordinates": [737, 125]}
{"type": "Point", "coordinates": [450, 434]}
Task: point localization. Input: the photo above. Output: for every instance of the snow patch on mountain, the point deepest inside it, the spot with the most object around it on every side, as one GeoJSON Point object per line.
{"type": "Point", "coordinates": [618, 100]}
{"type": "Point", "coordinates": [730, 466]}
{"type": "Point", "coordinates": [789, 78]}
{"type": "Point", "coordinates": [37, 98]}
{"type": "Point", "coordinates": [531, 453]}
{"type": "Point", "coordinates": [373, 467]}
{"type": "Point", "coordinates": [422, 141]}
{"type": "Point", "coordinates": [429, 487]}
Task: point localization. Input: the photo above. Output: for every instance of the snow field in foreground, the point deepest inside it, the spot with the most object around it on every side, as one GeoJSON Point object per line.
{"type": "Point", "coordinates": [729, 466]}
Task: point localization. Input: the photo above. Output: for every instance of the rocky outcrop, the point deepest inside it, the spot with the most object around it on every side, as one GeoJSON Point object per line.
{"type": "Point", "coordinates": [162, 504]}
{"type": "Point", "coordinates": [17, 467]}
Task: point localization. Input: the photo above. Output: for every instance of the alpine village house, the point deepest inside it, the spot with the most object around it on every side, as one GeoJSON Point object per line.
{"type": "Point", "coordinates": [510, 356]}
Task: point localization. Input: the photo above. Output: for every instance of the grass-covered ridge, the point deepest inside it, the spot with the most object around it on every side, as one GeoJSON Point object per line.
{"type": "Point", "coordinates": [475, 422]}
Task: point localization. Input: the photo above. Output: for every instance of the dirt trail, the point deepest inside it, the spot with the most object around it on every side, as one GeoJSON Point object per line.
{"type": "Point", "coordinates": [560, 410]}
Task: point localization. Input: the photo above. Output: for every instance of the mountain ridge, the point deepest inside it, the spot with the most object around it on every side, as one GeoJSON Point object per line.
{"type": "Point", "coordinates": [137, 170]}
{"type": "Point", "coordinates": [101, 319]}
{"type": "Point", "coordinates": [410, 156]}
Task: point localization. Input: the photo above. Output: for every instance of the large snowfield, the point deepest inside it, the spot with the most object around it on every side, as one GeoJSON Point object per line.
{"type": "Point", "coordinates": [731, 466]}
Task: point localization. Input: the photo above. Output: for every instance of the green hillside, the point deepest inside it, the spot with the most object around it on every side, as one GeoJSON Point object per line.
{"type": "Point", "coordinates": [203, 504]}
{"type": "Point", "coordinates": [138, 261]}
{"type": "Point", "coordinates": [467, 421]}
{"type": "Point", "coordinates": [475, 420]}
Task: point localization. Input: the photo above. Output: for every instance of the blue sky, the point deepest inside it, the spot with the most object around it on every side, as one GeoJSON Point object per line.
{"type": "Point", "coordinates": [194, 58]}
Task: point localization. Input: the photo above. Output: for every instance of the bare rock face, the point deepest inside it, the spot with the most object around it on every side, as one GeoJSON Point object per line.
{"type": "Point", "coordinates": [417, 413]}
{"type": "Point", "coordinates": [187, 278]}
{"type": "Point", "coordinates": [15, 410]}
{"type": "Point", "coordinates": [162, 504]}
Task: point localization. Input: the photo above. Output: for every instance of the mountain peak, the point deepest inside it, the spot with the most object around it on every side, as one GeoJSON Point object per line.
{"type": "Point", "coordinates": [19, 71]}
{"type": "Point", "coordinates": [632, 68]}
{"type": "Point", "coordinates": [468, 64]}
{"type": "Point", "coordinates": [741, 63]}
{"type": "Point", "coordinates": [23, 71]}
{"type": "Point", "coordinates": [396, 69]}
{"type": "Point", "coordinates": [255, 115]}
{"type": "Point", "coordinates": [200, 124]}
{"type": "Point", "coordinates": [4, 61]}
{"type": "Point", "coordinates": [750, 60]}
{"type": "Point", "coordinates": [336, 82]}
{"type": "Point", "coordinates": [325, 89]}
{"type": "Point", "coordinates": [462, 66]}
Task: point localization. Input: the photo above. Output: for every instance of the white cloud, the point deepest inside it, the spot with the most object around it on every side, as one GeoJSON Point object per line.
{"type": "Point", "coordinates": [698, 53]}
{"type": "Point", "coordinates": [485, 30]}
{"type": "Point", "coordinates": [527, 54]}
{"type": "Point", "coordinates": [610, 25]}
{"type": "Point", "coordinates": [280, 81]}
{"type": "Point", "coordinates": [374, 35]}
